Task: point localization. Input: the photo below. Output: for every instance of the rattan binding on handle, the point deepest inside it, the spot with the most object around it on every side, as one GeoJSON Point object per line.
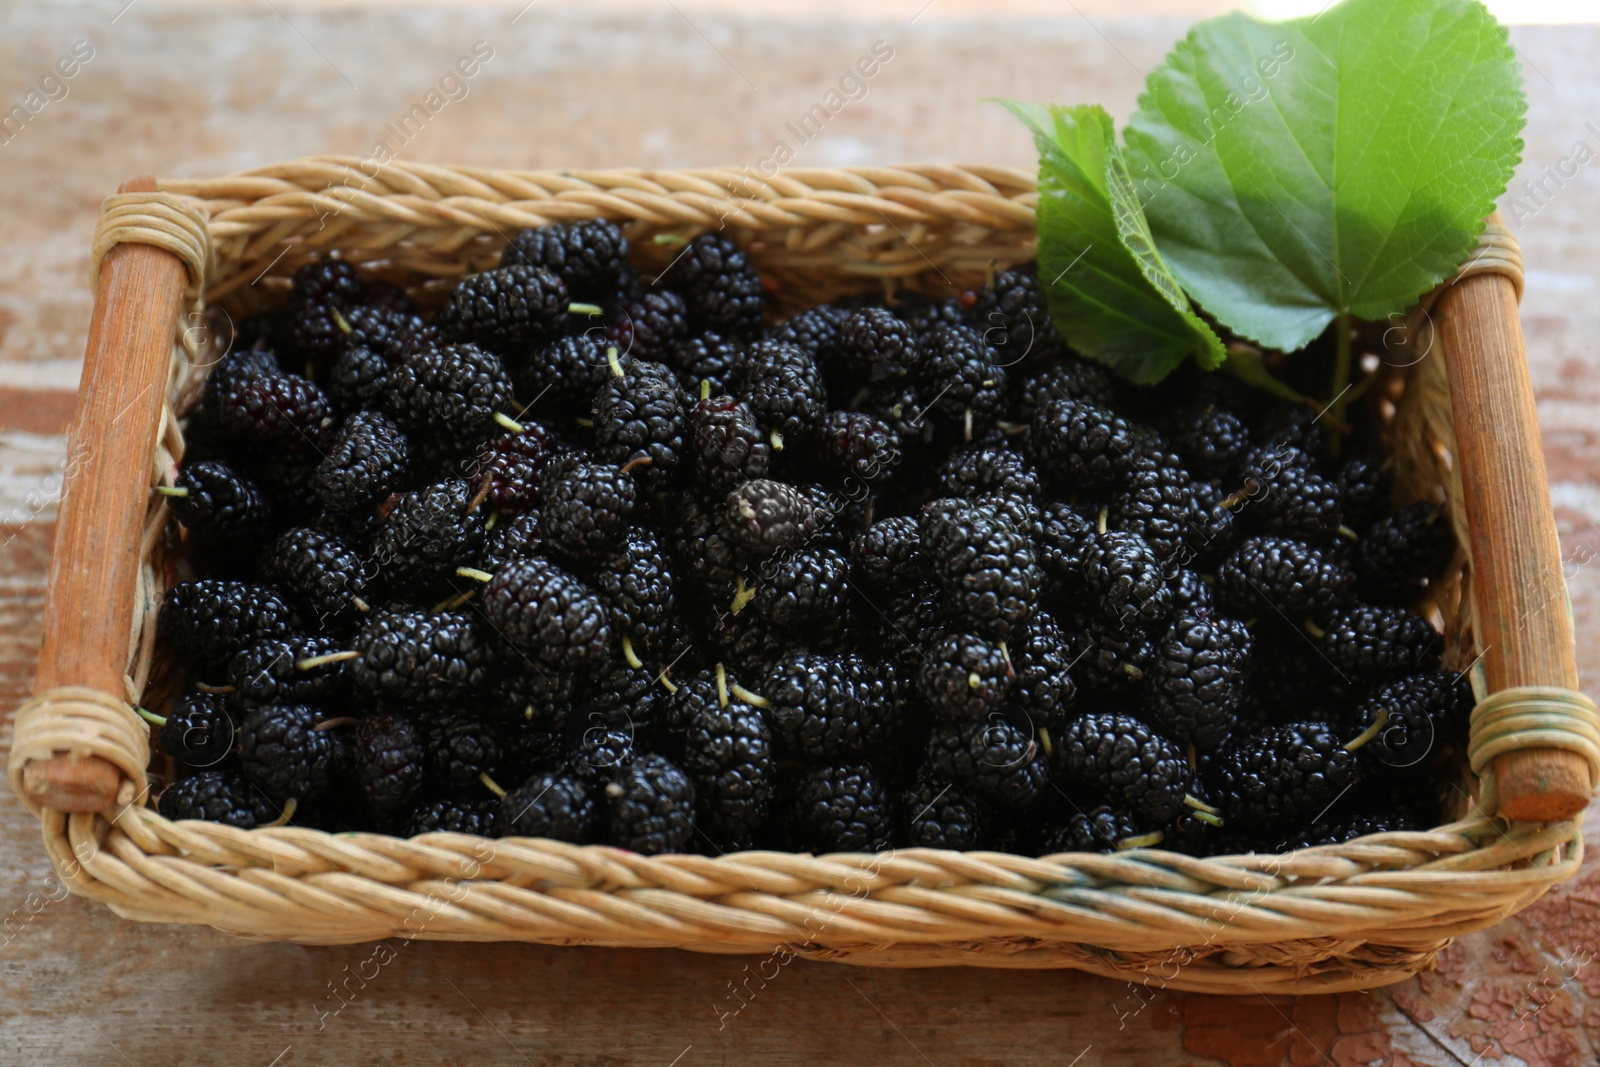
{"type": "Point", "coordinates": [94, 745]}
{"type": "Point", "coordinates": [1497, 253]}
{"type": "Point", "coordinates": [162, 220]}
{"type": "Point", "coordinates": [1534, 717]}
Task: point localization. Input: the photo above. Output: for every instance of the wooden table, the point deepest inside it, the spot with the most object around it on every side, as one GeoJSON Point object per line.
{"type": "Point", "coordinates": [178, 91]}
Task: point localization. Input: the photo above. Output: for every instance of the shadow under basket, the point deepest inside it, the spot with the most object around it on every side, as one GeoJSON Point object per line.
{"type": "Point", "coordinates": [1358, 915]}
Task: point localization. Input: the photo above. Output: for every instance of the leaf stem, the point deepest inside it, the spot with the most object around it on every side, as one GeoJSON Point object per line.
{"type": "Point", "coordinates": [1370, 732]}
{"type": "Point", "coordinates": [1149, 840]}
{"type": "Point", "coordinates": [288, 805]}
{"type": "Point", "coordinates": [311, 663]}
{"type": "Point", "coordinates": [1341, 384]}
{"type": "Point", "coordinates": [753, 699]}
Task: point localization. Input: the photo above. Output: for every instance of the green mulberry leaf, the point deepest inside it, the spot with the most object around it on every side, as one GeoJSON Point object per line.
{"type": "Point", "coordinates": [1339, 164]}
{"type": "Point", "coordinates": [1110, 294]}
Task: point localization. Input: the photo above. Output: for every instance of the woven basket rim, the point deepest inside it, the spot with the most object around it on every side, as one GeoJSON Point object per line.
{"type": "Point", "coordinates": [1400, 893]}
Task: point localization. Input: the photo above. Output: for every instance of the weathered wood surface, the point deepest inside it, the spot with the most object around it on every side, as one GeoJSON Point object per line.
{"type": "Point", "coordinates": [199, 91]}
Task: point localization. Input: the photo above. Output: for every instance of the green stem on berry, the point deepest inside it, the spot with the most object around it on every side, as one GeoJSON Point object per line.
{"type": "Point", "coordinates": [474, 573]}
{"type": "Point", "coordinates": [668, 683]}
{"type": "Point", "coordinates": [1150, 840]}
{"type": "Point", "coordinates": [508, 422]}
{"type": "Point", "coordinates": [636, 461]}
{"type": "Point", "coordinates": [333, 724]}
{"type": "Point", "coordinates": [1370, 732]}
{"type": "Point", "coordinates": [285, 815]}
{"type": "Point", "coordinates": [482, 494]}
{"type": "Point", "coordinates": [966, 424]}
{"type": "Point", "coordinates": [629, 654]}
{"type": "Point", "coordinates": [587, 424]}
{"type": "Point", "coordinates": [342, 322]}
{"type": "Point", "coordinates": [150, 716]}
{"type": "Point", "coordinates": [612, 357]}
{"type": "Point", "coordinates": [313, 662]}
{"type": "Point", "coordinates": [755, 700]}
{"type": "Point", "coordinates": [1341, 384]}
{"type": "Point", "coordinates": [219, 690]}
{"type": "Point", "coordinates": [1199, 805]}
{"type": "Point", "coordinates": [452, 602]}
{"type": "Point", "coordinates": [742, 594]}
{"type": "Point", "coordinates": [1132, 672]}
{"type": "Point", "coordinates": [705, 388]}
{"type": "Point", "coordinates": [1005, 653]}
{"type": "Point", "coordinates": [974, 679]}
{"type": "Point", "coordinates": [584, 309]}
{"type": "Point", "coordinates": [1207, 817]}
{"type": "Point", "coordinates": [777, 441]}
{"type": "Point", "coordinates": [1100, 523]}
{"type": "Point", "coordinates": [1314, 630]}
{"type": "Point", "coordinates": [722, 686]}
{"type": "Point", "coordinates": [1011, 429]}
{"type": "Point", "coordinates": [171, 490]}
{"type": "Point", "coordinates": [492, 520]}
{"type": "Point", "coordinates": [491, 785]}
{"type": "Point", "coordinates": [1347, 533]}
{"type": "Point", "coordinates": [1045, 742]}
{"type": "Point", "coordinates": [670, 239]}
{"type": "Point", "coordinates": [360, 605]}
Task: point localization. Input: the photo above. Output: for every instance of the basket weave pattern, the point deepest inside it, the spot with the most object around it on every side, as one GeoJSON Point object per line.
{"type": "Point", "coordinates": [1349, 916]}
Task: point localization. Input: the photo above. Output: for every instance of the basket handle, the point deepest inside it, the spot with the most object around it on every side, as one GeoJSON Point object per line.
{"type": "Point", "coordinates": [1522, 619]}
{"type": "Point", "coordinates": [111, 445]}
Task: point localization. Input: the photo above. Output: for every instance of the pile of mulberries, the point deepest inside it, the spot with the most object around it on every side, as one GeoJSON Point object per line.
{"type": "Point", "coordinates": [603, 558]}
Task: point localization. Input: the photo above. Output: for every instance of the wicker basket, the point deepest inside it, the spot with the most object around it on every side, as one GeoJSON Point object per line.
{"type": "Point", "coordinates": [1357, 915]}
